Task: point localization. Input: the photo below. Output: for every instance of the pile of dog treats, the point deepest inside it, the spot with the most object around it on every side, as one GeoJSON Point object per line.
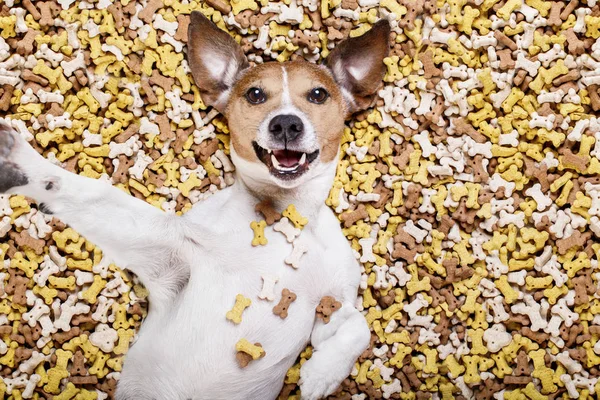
{"type": "Point", "coordinates": [470, 191]}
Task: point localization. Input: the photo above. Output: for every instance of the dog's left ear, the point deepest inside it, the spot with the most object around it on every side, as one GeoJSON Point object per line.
{"type": "Point", "coordinates": [215, 59]}
{"type": "Point", "coordinates": [357, 65]}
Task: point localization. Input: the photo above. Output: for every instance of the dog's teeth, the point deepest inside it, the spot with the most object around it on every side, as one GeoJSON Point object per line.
{"type": "Point", "coordinates": [269, 151]}
{"type": "Point", "coordinates": [303, 159]}
{"type": "Point", "coordinates": [275, 162]}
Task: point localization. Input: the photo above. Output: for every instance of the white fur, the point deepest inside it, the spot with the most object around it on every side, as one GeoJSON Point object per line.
{"type": "Point", "coordinates": [195, 265]}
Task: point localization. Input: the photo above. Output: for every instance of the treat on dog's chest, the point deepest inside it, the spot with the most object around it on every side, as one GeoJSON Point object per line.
{"type": "Point", "coordinates": [259, 233]}
{"type": "Point", "coordinates": [235, 314]}
{"type": "Point", "coordinates": [287, 298]}
{"type": "Point", "coordinates": [247, 352]}
{"type": "Point", "coordinates": [294, 216]}
{"type": "Point", "coordinates": [326, 307]}
{"type": "Point", "coordinates": [266, 208]}
{"type": "Point", "coordinates": [284, 226]}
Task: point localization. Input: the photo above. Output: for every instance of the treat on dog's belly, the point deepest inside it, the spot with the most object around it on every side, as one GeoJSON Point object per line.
{"type": "Point", "coordinates": [469, 191]}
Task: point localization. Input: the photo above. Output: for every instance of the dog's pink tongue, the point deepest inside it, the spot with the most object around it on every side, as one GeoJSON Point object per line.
{"type": "Point", "coordinates": [287, 158]}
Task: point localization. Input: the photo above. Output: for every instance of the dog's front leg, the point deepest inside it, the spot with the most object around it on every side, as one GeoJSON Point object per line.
{"type": "Point", "coordinates": [336, 346]}
{"type": "Point", "coordinates": [131, 232]}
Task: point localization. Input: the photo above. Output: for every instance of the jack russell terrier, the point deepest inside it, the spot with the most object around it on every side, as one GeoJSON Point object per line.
{"type": "Point", "coordinates": [286, 122]}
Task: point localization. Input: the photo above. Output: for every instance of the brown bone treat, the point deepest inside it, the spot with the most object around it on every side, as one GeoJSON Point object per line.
{"type": "Point", "coordinates": [522, 368]}
{"type": "Point", "coordinates": [266, 208]}
{"type": "Point", "coordinates": [462, 127]}
{"type": "Point", "coordinates": [506, 60]}
{"type": "Point", "coordinates": [572, 75]}
{"type": "Point", "coordinates": [315, 17]}
{"type": "Point", "coordinates": [121, 175]}
{"type": "Point", "coordinates": [150, 10]}
{"type": "Point", "coordinates": [287, 298]}
{"type": "Point", "coordinates": [78, 367]}
{"type": "Point", "coordinates": [135, 63]}
{"type": "Point", "coordinates": [84, 380]}
{"type": "Point", "coordinates": [413, 9]}
{"type": "Point", "coordinates": [18, 338]}
{"type": "Point", "coordinates": [219, 5]}
{"type": "Point", "coordinates": [518, 80]}
{"type": "Point", "coordinates": [25, 45]}
{"type": "Point", "coordinates": [188, 162]}
{"type": "Point", "coordinates": [580, 285]}
{"type": "Point", "coordinates": [480, 174]}
{"type": "Point", "coordinates": [206, 149]}
{"type": "Point", "coordinates": [453, 302]}
{"type": "Point", "coordinates": [5, 330]}
{"type": "Point", "coordinates": [183, 22]}
{"type": "Point", "coordinates": [22, 354]}
{"type": "Point", "coordinates": [30, 76]}
{"type": "Point", "coordinates": [334, 34]}
{"type": "Point", "coordinates": [594, 91]}
{"type": "Point", "coordinates": [164, 82]}
{"type": "Point", "coordinates": [25, 330]}
{"type": "Point", "coordinates": [166, 133]}
{"type": "Point", "coordinates": [258, 20]}
{"type": "Point", "coordinates": [327, 306]}
{"type": "Point", "coordinates": [554, 16]}
{"type": "Point", "coordinates": [538, 337]}
{"type": "Point", "coordinates": [148, 91]}
{"type": "Point", "coordinates": [577, 239]}
{"type": "Point", "coordinates": [121, 21]}
{"type": "Point", "coordinates": [569, 9]}
{"type": "Point", "coordinates": [446, 224]}
{"type": "Point", "coordinates": [48, 11]}
{"type": "Point", "coordinates": [7, 92]}
{"type": "Point", "coordinates": [505, 40]}
{"type": "Point", "coordinates": [127, 133]}
{"type": "Point", "coordinates": [411, 374]}
{"type": "Point", "coordinates": [517, 380]}
{"type": "Point", "coordinates": [243, 18]}
{"type": "Point", "coordinates": [310, 40]}
{"type": "Point", "coordinates": [62, 337]}
{"type": "Point", "coordinates": [578, 354]}
{"type": "Point", "coordinates": [157, 180]}
{"type": "Point", "coordinates": [244, 359]}
{"type": "Point", "coordinates": [23, 239]}
{"type": "Point", "coordinates": [350, 4]}
{"type": "Point", "coordinates": [31, 9]}
{"type": "Point", "coordinates": [108, 386]}
{"type": "Point", "coordinates": [351, 217]}
{"type": "Point", "coordinates": [431, 71]}
{"type": "Point", "coordinates": [576, 47]}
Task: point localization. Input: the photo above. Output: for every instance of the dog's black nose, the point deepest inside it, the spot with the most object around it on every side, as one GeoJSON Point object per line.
{"type": "Point", "coordinates": [286, 127]}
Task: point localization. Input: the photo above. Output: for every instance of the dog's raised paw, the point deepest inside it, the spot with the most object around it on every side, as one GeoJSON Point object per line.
{"type": "Point", "coordinates": [10, 174]}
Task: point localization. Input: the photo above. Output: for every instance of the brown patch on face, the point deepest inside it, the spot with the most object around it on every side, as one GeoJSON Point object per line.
{"type": "Point", "coordinates": [327, 118]}
{"type": "Point", "coordinates": [244, 118]}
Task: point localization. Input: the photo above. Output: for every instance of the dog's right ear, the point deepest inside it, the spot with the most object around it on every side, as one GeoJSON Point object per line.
{"type": "Point", "coordinates": [215, 59]}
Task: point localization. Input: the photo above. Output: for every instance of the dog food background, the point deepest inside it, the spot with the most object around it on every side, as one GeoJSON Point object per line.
{"type": "Point", "coordinates": [470, 191]}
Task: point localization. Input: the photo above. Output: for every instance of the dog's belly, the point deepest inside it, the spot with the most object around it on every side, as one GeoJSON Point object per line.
{"type": "Point", "coordinates": [188, 352]}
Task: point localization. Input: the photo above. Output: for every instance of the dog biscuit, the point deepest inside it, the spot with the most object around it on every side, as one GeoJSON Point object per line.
{"type": "Point", "coordinates": [327, 306]}
{"type": "Point", "coordinates": [247, 352]}
{"type": "Point", "coordinates": [235, 314]}
{"type": "Point", "coordinates": [287, 298]}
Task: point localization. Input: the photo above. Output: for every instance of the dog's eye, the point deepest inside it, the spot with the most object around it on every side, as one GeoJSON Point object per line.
{"type": "Point", "coordinates": [256, 95]}
{"type": "Point", "coordinates": [318, 95]}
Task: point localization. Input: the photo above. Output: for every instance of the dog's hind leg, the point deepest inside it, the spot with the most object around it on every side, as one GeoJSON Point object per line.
{"type": "Point", "coordinates": [131, 232]}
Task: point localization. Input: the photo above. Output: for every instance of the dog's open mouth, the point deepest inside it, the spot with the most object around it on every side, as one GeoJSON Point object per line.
{"type": "Point", "coordinates": [285, 163]}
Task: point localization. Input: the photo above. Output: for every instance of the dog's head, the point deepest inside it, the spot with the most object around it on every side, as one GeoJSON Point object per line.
{"type": "Point", "coordinates": [286, 119]}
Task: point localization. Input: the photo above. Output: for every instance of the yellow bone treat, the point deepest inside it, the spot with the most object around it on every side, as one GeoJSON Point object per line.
{"type": "Point", "coordinates": [235, 314]}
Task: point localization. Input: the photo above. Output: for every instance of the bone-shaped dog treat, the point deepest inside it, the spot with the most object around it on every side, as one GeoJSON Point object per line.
{"type": "Point", "coordinates": [326, 307]}
{"type": "Point", "coordinates": [247, 352]}
{"type": "Point", "coordinates": [300, 247]}
{"type": "Point", "coordinates": [259, 233]}
{"type": "Point", "coordinates": [287, 298]}
{"type": "Point", "coordinates": [267, 292]}
{"type": "Point", "coordinates": [294, 216]}
{"type": "Point", "coordinates": [284, 226]}
{"type": "Point", "coordinates": [271, 215]}
{"type": "Point", "coordinates": [235, 314]}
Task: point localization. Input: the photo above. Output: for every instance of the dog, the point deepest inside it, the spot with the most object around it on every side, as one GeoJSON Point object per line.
{"type": "Point", "coordinates": [286, 122]}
